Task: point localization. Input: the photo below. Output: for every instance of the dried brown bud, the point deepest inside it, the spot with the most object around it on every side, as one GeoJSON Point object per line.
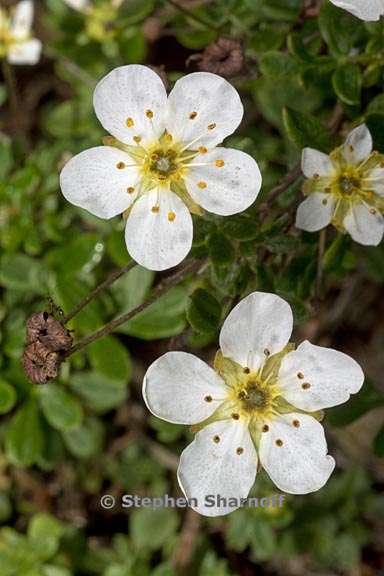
{"type": "Point", "coordinates": [42, 327]}
{"type": "Point", "coordinates": [40, 364]}
{"type": "Point", "coordinates": [224, 57]}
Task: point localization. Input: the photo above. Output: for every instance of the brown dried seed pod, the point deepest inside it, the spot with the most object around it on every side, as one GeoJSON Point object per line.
{"type": "Point", "coordinates": [224, 57]}
{"type": "Point", "coordinates": [40, 364]}
{"type": "Point", "coordinates": [42, 327]}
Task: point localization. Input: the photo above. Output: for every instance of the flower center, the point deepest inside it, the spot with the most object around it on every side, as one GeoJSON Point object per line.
{"type": "Point", "coordinates": [163, 164]}
{"type": "Point", "coordinates": [348, 184]}
{"type": "Point", "coordinates": [254, 396]}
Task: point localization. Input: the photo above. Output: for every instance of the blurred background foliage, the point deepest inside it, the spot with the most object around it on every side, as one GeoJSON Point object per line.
{"type": "Point", "coordinates": [310, 72]}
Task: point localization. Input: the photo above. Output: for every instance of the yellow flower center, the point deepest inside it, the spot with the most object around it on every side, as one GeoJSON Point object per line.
{"type": "Point", "coordinates": [254, 396]}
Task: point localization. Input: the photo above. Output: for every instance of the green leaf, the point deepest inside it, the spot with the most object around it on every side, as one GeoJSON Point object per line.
{"type": "Point", "coordinates": [335, 253]}
{"type": "Point", "coordinates": [203, 311]}
{"type": "Point", "coordinates": [86, 440]}
{"type": "Point", "coordinates": [277, 64]}
{"type": "Point", "coordinates": [347, 82]}
{"type": "Point", "coordinates": [21, 272]}
{"type": "Point", "coordinates": [151, 529]}
{"type": "Point", "coordinates": [44, 532]}
{"type": "Point", "coordinates": [162, 319]}
{"type": "Point", "coordinates": [132, 288]}
{"type": "Point", "coordinates": [8, 397]}
{"type": "Point", "coordinates": [306, 130]}
{"type": "Point", "coordinates": [220, 249]}
{"type": "Point", "coordinates": [375, 123]}
{"type": "Point", "coordinates": [24, 439]}
{"type": "Point", "coordinates": [110, 358]}
{"type": "Point", "coordinates": [62, 410]}
{"type": "Point", "coordinates": [339, 28]}
{"type": "Point", "coordinates": [100, 393]}
{"type": "Point", "coordinates": [378, 443]}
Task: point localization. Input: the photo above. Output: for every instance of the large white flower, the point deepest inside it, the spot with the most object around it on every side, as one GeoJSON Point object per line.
{"type": "Point", "coordinates": [345, 188]}
{"type": "Point", "coordinates": [364, 9]}
{"type": "Point", "coordinates": [256, 408]}
{"type": "Point", "coordinates": [16, 43]}
{"type": "Point", "coordinates": [163, 161]}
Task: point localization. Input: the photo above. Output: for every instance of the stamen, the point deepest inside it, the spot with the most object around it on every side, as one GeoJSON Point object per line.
{"type": "Point", "coordinates": [168, 136]}
{"type": "Point", "coordinates": [296, 424]}
{"type": "Point", "coordinates": [137, 139]}
{"type": "Point", "coordinates": [130, 189]}
{"type": "Point", "coordinates": [279, 442]}
{"type": "Point", "coordinates": [267, 352]}
{"type": "Point", "coordinates": [155, 209]}
{"type": "Point", "coordinates": [300, 375]}
{"type": "Point", "coordinates": [216, 439]}
{"type": "Point", "coordinates": [219, 163]}
{"type": "Point", "coordinates": [192, 115]}
{"type": "Point", "coordinates": [239, 451]}
{"type": "Point", "coordinates": [171, 216]}
{"type": "Point", "coordinates": [208, 398]}
{"type": "Point", "coordinates": [211, 126]}
{"type": "Point", "coordinates": [235, 416]}
{"type": "Point", "coordinates": [120, 165]}
{"type": "Point", "coordinates": [306, 386]}
{"type": "Point", "coordinates": [373, 211]}
{"type": "Point", "coordinates": [149, 113]}
{"type": "Point", "coordinates": [246, 370]}
{"type": "Point", "coordinates": [202, 149]}
{"type": "Point", "coordinates": [202, 184]}
{"type": "Point", "coordinates": [324, 201]}
{"type": "Point", "coordinates": [265, 428]}
{"type": "Point", "coordinates": [129, 122]}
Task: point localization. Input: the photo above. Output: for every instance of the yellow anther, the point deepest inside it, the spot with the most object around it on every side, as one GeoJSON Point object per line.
{"type": "Point", "coordinates": [168, 136]}
{"type": "Point", "coordinates": [202, 184]}
{"type": "Point", "coordinates": [171, 216]}
{"type": "Point", "coordinates": [202, 149]}
{"type": "Point", "coordinates": [192, 115]}
{"type": "Point", "coordinates": [129, 122]}
{"type": "Point", "coordinates": [219, 163]}
{"type": "Point", "coordinates": [155, 209]}
{"type": "Point", "coordinates": [130, 189]}
{"type": "Point", "coordinates": [137, 139]}
{"type": "Point", "coordinates": [296, 423]}
{"type": "Point", "coordinates": [120, 165]}
{"type": "Point", "coordinates": [149, 113]}
{"type": "Point", "coordinates": [211, 126]}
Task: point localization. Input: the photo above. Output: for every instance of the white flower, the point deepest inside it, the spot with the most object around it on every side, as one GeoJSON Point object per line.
{"type": "Point", "coordinates": [364, 9]}
{"type": "Point", "coordinates": [255, 408]}
{"type": "Point", "coordinates": [163, 160]}
{"type": "Point", "coordinates": [345, 189]}
{"type": "Point", "coordinates": [84, 5]}
{"type": "Point", "coordinates": [16, 43]}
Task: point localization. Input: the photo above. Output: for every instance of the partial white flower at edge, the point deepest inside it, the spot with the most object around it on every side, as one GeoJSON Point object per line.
{"type": "Point", "coordinates": [345, 188]}
{"type": "Point", "coordinates": [163, 160]}
{"type": "Point", "coordinates": [16, 43]}
{"type": "Point", "coordinates": [84, 5]}
{"type": "Point", "coordinates": [369, 10]}
{"type": "Point", "coordinates": [257, 408]}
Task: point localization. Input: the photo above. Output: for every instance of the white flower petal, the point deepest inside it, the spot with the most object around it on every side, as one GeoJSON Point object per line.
{"type": "Point", "coordinates": [365, 9]}
{"type": "Point", "coordinates": [364, 227]}
{"type": "Point", "coordinates": [358, 145]}
{"type": "Point", "coordinates": [161, 239]}
{"type": "Point", "coordinates": [260, 325]}
{"type": "Point", "coordinates": [314, 162]}
{"type": "Point", "coordinates": [228, 184]}
{"type": "Point", "coordinates": [182, 389]}
{"type": "Point", "coordinates": [294, 453]}
{"type": "Point", "coordinates": [210, 468]}
{"type": "Point", "coordinates": [25, 52]}
{"type": "Point", "coordinates": [124, 97]}
{"type": "Point", "coordinates": [333, 376]}
{"type": "Point", "coordinates": [92, 181]}
{"type": "Point", "coordinates": [203, 107]}
{"type": "Point", "coordinates": [22, 18]}
{"type": "Point", "coordinates": [374, 181]}
{"type": "Point", "coordinates": [315, 212]}
{"type": "Point", "coordinates": [80, 5]}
